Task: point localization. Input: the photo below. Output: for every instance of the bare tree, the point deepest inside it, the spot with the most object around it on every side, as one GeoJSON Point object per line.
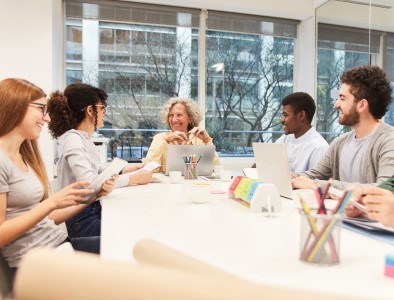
{"type": "Point", "coordinates": [258, 74]}
{"type": "Point", "coordinates": [330, 68]}
{"type": "Point", "coordinates": [155, 66]}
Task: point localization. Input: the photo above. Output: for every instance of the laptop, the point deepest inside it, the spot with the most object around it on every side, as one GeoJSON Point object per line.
{"type": "Point", "coordinates": [175, 155]}
{"type": "Point", "coordinates": [273, 167]}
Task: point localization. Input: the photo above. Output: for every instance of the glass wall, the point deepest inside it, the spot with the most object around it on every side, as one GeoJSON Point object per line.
{"type": "Point", "coordinates": [339, 48]}
{"type": "Point", "coordinates": [250, 64]}
{"type": "Point", "coordinates": [144, 54]}
{"type": "Point", "coordinates": [346, 40]}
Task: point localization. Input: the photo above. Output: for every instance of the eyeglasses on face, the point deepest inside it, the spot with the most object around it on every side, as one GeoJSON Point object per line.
{"type": "Point", "coordinates": [102, 107]}
{"type": "Point", "coordinates": [43, 107]}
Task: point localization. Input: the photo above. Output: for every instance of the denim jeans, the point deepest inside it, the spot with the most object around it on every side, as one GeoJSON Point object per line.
{"type": "Point", "coordinates": [86, 244]}
{"type": "Point", "coordinates": [86, 223]}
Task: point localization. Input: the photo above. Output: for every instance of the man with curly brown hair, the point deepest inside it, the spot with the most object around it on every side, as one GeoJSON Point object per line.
{"type": "Point", "coordinates": [364, 155]}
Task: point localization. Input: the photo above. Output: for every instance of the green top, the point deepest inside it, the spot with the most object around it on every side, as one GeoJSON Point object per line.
{"type": "Point", "coordinates": [388, 184]}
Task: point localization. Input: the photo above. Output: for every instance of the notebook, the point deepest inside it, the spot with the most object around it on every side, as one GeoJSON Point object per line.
{"type": "Point", "coordinates": [273, 167]}
{"type": "Point", "coordinates": [175, 158]}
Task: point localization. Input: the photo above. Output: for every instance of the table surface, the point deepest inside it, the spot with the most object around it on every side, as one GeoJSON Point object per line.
{"type": "Point", "coordinates": [224, 233]}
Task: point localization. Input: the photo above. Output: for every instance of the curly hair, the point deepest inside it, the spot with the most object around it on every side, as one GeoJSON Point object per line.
{"type": "Point", "coordinates": [370, 83]}
{"type": "Point", "coordinates": [67, 110]}
{"type": "Point", "coordinates": [191, 108]}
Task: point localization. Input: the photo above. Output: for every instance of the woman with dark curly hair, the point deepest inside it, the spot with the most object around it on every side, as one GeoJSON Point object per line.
{"type": "Point", "coordinates": [183, 116]}
{"type": "Point", "coordinates": [75, 115]}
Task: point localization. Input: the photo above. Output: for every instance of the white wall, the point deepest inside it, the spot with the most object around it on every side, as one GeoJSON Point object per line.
{"type": "Point", "coordinates": [31, 38]}
{"type": "Point", "coordinates": [334, 12]}
{"type": "Point", "coordinates": [305, 57]}
{"type": "Point", "coordinates": [26, 51]}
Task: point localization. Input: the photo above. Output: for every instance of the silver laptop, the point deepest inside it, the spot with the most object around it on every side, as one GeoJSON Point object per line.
{"type": "Point", "coordinates": [175, 158]}
{"type": "Point", "coordinates": [273, 167]}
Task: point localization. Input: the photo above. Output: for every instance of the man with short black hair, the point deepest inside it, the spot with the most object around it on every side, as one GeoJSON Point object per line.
{"type": "Point", "coordinates": [304, 145]}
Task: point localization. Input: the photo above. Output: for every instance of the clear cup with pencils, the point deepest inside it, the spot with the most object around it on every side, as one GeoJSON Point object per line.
{"type": "Point", "coordinates": [320, 238]}
{"type": "Point", "coordinates": [191, 166]}
{"type": "Point", "coordinates": [321, 229]}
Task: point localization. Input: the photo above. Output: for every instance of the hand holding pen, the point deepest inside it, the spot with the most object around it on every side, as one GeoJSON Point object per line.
{"type": "Point", "coordinates": [178, 137]}
{"type": "Point", "coordinates": [379, 204]}
{"type": "Point", "coordinates": [200, 133]}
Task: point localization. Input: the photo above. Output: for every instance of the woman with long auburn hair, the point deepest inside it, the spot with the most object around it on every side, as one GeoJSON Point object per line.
{"type": "Point", "coordinates": [29, 215]}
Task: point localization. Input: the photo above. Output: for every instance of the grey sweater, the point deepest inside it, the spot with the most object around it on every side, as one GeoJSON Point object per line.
{"type": "Point", "coordinates": [378, 160]}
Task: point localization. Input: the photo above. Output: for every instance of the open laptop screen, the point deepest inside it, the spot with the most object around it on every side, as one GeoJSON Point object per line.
{"type": "Point", "coordinates": [273, 167]}
{"type": "Point", "coordinates": [175, 155]}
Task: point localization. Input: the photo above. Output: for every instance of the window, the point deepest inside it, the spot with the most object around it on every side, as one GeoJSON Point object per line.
{"type": "Point", "coordinates": [250, 69]}
{"type": "Point", "coordinates": [389, 118]}
{"type": "Point", "coordinates": [146, 54]}
{"type": "Point", "coordinates": [339, 48]}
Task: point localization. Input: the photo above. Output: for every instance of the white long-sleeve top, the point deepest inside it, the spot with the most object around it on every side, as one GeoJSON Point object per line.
{"type": "Point", "coordinates": [305, 152]}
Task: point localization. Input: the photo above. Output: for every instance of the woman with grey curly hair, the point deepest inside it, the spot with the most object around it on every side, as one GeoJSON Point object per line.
{"type": "Point", "coordinates": [183, 116]}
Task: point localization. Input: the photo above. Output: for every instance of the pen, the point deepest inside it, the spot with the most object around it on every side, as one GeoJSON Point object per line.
{"type": "Point", "coordinates": [359, 206]}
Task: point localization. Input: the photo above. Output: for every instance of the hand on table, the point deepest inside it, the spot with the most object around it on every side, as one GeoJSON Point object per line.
{"type": "Point", "coordinates": [301, 182]}
{"type": "Point", "coordinates": [380, 204]}
{"type": "Point", "coordinates": [141, 177]}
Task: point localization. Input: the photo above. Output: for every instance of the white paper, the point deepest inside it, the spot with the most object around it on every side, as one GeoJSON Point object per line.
{"type": "Point", "coordinates": [251, 173]}
{"type": "Point", "coordinates": [148, 167]}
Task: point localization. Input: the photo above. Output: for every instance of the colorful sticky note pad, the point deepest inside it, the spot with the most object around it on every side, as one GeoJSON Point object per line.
{"type": "Point", "coordinates": [246, 189]}
{"type": "Point", "coordinates": [235, 183]}
{"type": "Point", "coordinates": [253, 188]}
{"type": "Point", "coordinates": [240, 186]}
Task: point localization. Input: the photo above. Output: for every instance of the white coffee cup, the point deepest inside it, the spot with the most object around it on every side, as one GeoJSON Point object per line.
{"type": "Point", "coordinates": [175, 176]}
{"type": "Point", "coordinates": [226, 175]}
{"type": "Point", "coordinates": [199, 192]}
{"type": "Point", "coordinates": [217, 171]}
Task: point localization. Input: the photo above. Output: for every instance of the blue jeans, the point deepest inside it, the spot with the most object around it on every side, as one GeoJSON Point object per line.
{"type": "Point", "coordinates": [86, 223]}
{"type": "Point", "coordinates": [86, 244]}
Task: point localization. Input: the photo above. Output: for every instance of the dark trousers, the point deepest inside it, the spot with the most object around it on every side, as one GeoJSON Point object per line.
{"type": "Point", "coordinates": [86, 223]}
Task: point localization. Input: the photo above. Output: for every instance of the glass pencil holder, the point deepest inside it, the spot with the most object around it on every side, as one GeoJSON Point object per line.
{"type": "Point", "coordinates": [320, 238]}
{"type": "Point", "coordinates": [191, 171]}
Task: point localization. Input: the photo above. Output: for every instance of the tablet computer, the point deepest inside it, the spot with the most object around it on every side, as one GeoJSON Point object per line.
{"type": "Point", "coordinates": [113, 168]}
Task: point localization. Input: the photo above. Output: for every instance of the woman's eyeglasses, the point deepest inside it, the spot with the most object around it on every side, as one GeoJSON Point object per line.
{"type": "Point", "coordinates": [102, 107]}
{"type": "Point", "coordinates": [43, 107]}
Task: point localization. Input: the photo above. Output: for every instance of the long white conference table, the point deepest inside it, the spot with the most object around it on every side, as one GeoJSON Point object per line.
{"type": "Point", "coordinates": [225, 234]}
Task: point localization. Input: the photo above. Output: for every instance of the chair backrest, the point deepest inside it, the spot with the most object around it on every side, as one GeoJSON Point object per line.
{"type": "Point", "coordinates": [6, 279]}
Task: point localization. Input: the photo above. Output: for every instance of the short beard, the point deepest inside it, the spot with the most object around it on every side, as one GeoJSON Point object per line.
{"type": "Point", "coordinates": [350, 119]}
